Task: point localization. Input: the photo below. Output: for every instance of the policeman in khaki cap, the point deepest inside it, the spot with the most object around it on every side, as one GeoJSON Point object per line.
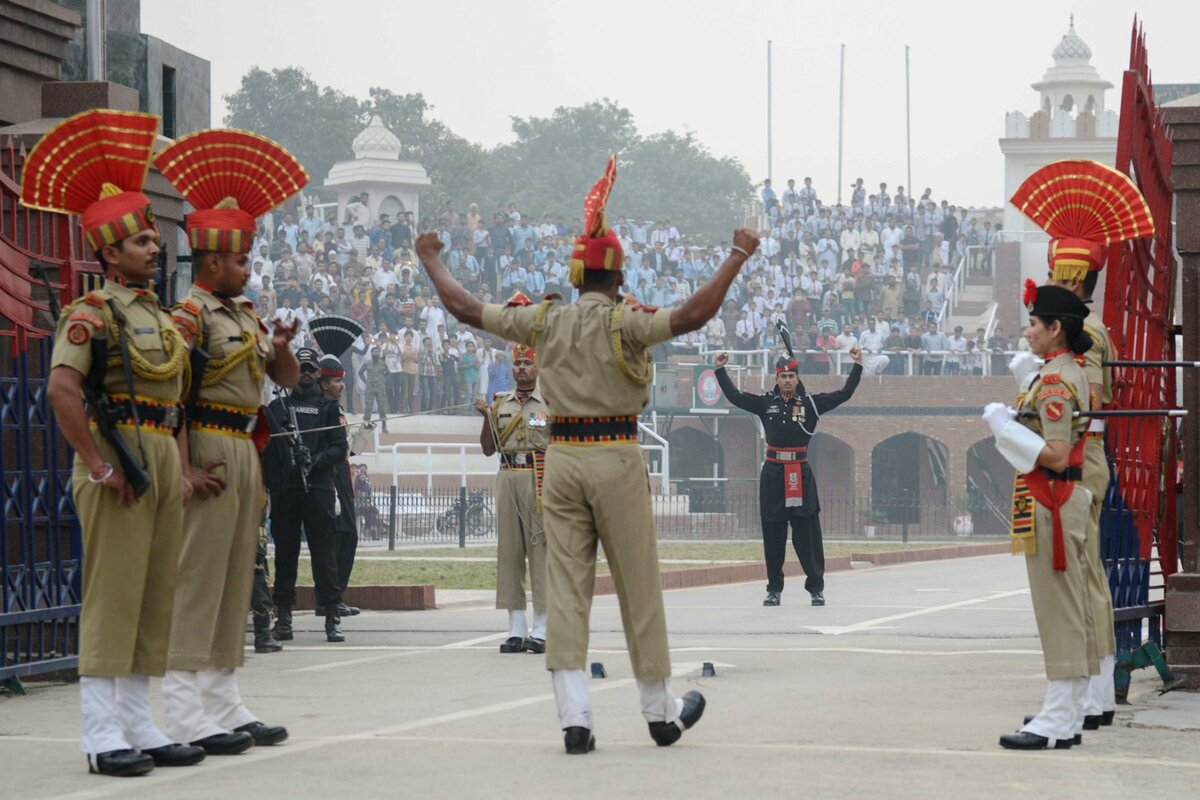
{"type": "Point", "coordinates": [595, 366]}
{"type": "Point", "coordinates": [121, 347]}
{"type": "Point", "coordinates": [218, 172]}
{"type": "Point", "coordinates": [1085, 206]}
{"type": "Point", "coordinates": [517, 424]}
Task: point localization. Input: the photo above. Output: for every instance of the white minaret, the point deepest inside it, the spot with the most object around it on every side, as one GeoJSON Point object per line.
{"type": "Point", "coordinates": [1072, 121]}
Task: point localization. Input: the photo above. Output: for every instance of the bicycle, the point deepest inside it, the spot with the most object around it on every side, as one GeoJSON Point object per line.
{"type": "Point", "coordinates": [479, 518]}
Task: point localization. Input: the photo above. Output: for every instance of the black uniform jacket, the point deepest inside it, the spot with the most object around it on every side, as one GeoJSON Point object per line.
{"type": "Point", "coordinates": [788, 424]}
{"type": "Point", "coordinates": [328, 447]}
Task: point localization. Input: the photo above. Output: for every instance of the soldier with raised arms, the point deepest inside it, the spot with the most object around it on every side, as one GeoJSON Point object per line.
{"type": "Point", "coordinates": [595, 367]}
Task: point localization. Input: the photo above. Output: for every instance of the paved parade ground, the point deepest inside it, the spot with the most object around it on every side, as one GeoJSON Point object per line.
{"type": "Point", "coordinates": [899, 687]}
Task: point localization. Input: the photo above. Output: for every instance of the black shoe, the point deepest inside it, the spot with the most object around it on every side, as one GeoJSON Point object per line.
{"type": "Point", "coordinates": [121, 763]}
{"type": "Point", "coordinates": [1031, 741]}
{"type": "Point", "coordinates": [818, 599]}
{"type": "Point", "coordinates": [1091, 722]}
{"type": "Point", "coordinates": [225, 744]}
{"type": "Point", "coordinates": [578, 740]}
{"type": "Point", "coordinates": [535, 645]}
{"type": "Point", "coordinates": [1106, 718]}
{"type": "Point", "coordinates": [283, 623]}
{"type": "Point", "coordinates": [1078, 739]}
{"type": "Point", "coordinates": [772, 599]}
{"type": "Point", "coordinates": [348, 611]}
{"type": "Point", "coordinates": [666, 734]}
{"type": "Point", "coordinates": [262, 733]}
{"type": "Point", "coordinates": [175, 755]}
{"type": "Point", "coordinates": [264, 640]}
{"type": "Point", "coordinates": [513, 644]}
{"type": "Point", "coordinates": [332, 632]}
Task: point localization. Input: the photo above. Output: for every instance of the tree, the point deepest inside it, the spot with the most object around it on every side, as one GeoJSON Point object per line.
{"type": "Point", "coordinates": [317, 125]}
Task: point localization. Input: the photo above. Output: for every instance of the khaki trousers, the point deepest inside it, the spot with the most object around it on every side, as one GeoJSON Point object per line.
{"type": "Point", "coordinates": [1061, 603]}
{"type": "Point", "coordinates": [600, 494]}
{"type": "Point", "coordinates": [130, 559]}
{"type": "Point", "coordinates": [521, 540]}
{"type": "Point", "coordinates": [1096, 479]}
{"type": "Point", "coordinates": [216, 568]}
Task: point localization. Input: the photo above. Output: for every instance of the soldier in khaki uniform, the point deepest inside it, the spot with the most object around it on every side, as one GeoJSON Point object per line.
{"type": "Point", "coordinates": [1078, 251]}
{"type": "Point", "coordinates": [232, 353]}
{"type": "Point", "coordinates": [374, 374]}
{"type": "Point", "coordinates": [595, 368]}
{"type": "Point", "coordinates": [518, 425]}
{"type": "Point", "coordinates": [119, 345]}
{"type": "Point", "coordinates": [1051, 510]}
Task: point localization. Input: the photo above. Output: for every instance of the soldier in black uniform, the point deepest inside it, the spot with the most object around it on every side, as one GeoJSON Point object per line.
{"type": "Point", "coordinates": [346, 525]}
{"type": "Point", "coordinates": [787, 488]}
{"type": "Point", "coordinates": [303, 493]}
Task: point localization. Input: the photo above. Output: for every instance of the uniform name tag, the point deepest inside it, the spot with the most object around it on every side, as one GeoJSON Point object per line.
{"type": "Point", "coordinates": [307, 410]}
{"type": "Point", "coordinates": [143, 330]}
{"type": "Point", "coordinates": [772, 410]}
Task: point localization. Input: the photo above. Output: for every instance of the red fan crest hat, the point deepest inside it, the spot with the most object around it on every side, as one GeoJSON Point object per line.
{"type": "Point", "coordinates": [231, 178]}
{"type": "Point", "coordinates": [94, 164]}
{"type": "Point", "coordinates": [598, 246]}
{"type": "Point", "coordinates": [520, 351]}
{"type": "Point", "coordinates": [1085, 206]}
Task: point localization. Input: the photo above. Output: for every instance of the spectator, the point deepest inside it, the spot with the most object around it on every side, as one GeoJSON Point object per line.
{"type": "Point", "coordinates": [934, 345]}
{"type": "Point", "coordinates": [428, 368]}
{"type": "Point", "coordinates": [957, 344]}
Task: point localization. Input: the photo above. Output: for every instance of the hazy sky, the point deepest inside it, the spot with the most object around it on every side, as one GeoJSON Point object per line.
{"type": "Point", "coordinates": [701, 66]}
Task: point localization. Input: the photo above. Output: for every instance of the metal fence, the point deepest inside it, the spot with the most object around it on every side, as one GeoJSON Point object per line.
{"type": "Point", "coordinates": [399, 516]}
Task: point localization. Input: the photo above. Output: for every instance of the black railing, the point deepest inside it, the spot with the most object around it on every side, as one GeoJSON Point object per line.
{"type": "Point", "coordinates": [399, 516]}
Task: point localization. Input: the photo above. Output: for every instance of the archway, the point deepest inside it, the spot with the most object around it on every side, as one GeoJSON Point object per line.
{"type": "Point", "coordinates": [697, 464]}
{"type": "Point", "coordinates": [833, 462]}
{"type": "Point", "coordinates": [391, 206]}
{"type": "Point", "coordinates": [989, 488]}
{"type": "Point", "coordinates": [1068, 103]}
{"type": "Point", "coordinates": [908, 473]}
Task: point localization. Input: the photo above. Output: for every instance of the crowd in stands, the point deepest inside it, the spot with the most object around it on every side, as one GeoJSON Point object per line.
{"type": "Point", "coordinates": [876, 270]}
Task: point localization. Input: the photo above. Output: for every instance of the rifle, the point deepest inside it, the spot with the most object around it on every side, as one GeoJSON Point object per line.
{"type": "Point", "coordinates": [106, 411]}
{"type": "Point", "coordinates": [299, 456]}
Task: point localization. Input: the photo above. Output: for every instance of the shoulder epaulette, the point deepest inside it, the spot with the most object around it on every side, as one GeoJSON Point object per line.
{"type": "Point", "coordinates": [94, 299]}
{"type": "Point", "coordinates": [191, 306]}
{"type": "Point", "coordinates": [1053, 377]}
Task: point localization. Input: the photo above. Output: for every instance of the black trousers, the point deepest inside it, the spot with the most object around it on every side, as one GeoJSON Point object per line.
{"type": "Point", "coordinates": [806, 539]}
{"type": "Point", "coordinates": [314, 511]}
{"type": "Point", "coordinates": [346, 545]}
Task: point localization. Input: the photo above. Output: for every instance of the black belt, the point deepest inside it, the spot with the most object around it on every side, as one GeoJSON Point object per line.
{"type": "Point", "coordinates": [158, 415]}
{"type": "Point", "coordinates": [210, 417]}
{"type": "Point", "coordinates": [523, 459]}
{"type": "Point", "coordinates": [1069, 474]}
{"type": "Point", "coordinates": [787, 454]}
{"type": "Point", "coordinates": [592, 430]}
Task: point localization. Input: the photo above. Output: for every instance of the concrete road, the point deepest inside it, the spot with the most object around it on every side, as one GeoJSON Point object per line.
{"type": "Point", "coordinates": [899, 687]}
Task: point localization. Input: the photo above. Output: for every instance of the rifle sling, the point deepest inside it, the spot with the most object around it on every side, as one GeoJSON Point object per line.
{"type": "Point", "coordinates": [123, 340]}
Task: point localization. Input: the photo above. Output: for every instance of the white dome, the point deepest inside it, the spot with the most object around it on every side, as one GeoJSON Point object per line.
{"type": "Point", "coordinates": [1072, 49]}
{"type": "Point", "coordinates": [376, 141]}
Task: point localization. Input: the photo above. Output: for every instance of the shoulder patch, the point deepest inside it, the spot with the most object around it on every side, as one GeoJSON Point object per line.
{"type": "Point", "coordinates": [1054, 391]}
{"type": "Point", "coordinates": [192, 307]}
{"type": "Point", "coordinates": [186, 325]}
{"type": "Point", "coordinates": [85, 316]}
{"type": "Point", "coordinates": [94, 299]}
{"type": "Point", "coordinates": [78, 334]}
{"type": "Point", "coordinates": [1054, 411]}
{"type": "Point", "coordinates": [1053, 377]}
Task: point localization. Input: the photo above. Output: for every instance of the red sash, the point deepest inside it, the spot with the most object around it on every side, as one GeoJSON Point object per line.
{"type": "Point", "coordinates": [793, 474]}
{"type": "Point", "coordinates": [1054, 494]}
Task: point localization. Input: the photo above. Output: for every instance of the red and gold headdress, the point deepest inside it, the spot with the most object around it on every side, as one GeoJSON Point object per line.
{"type": "Point", "coordinates": [523, 351]}
{"type": "Point", "coordinates": [598, 247]}
{"type": "Point", "coordinates": [231, 177]}
{"type": "Point", "coordinates": [1085, 206]}
{"type": "Point", "coordinates": [94, 164]}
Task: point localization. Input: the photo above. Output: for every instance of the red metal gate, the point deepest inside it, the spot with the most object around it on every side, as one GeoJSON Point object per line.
{"type": "Point", "coordinates": [1139, 516]}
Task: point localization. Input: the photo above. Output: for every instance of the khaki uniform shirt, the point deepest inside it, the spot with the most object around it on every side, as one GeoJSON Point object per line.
{"type": "Point", "coordinates": [521, 427]}
{"type": "Point", "coordinates": [583, 373]}
{"type": "Point", "coordinates": [227, 326]}
{"type": "Point", "coordinates": [149, 331]}
{"type": "Point", "coordinates": [1102, 350]}
{"type": "Point", "coordinates": [1056, 392]}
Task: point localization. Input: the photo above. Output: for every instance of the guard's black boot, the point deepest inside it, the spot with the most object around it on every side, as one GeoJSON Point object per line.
{"type": "Point", "coordinates": [283, 623]}
{"type": "Point", "coordinates": [175, 755]}
{"type": "Point", "coordinates": [666, 734]}
{"type": "Point", "coordinates": [332, 632]}
{"type": "Point", "coordinates": [263, 734]}
{"type": "Point", "coordinates": [225, 744]}
{"type": "Point", "coordinates": [121, 763]}
{"type": "Point", "coordinates": [772, 599]}
{"type": "Point", "coordinates": [578, 740]}
{"type": "Point", "coordinates": [264, 640]}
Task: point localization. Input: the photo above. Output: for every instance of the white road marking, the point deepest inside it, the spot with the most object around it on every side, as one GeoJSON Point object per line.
{"type": "Point", "coordinates": [259, 754]}
{"type": "Point", "coordinates": [838, 630]}
{"type": "Point", "coordinates": [466, 643]}
{"type": "Point", "coordinates": [942, 589]}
